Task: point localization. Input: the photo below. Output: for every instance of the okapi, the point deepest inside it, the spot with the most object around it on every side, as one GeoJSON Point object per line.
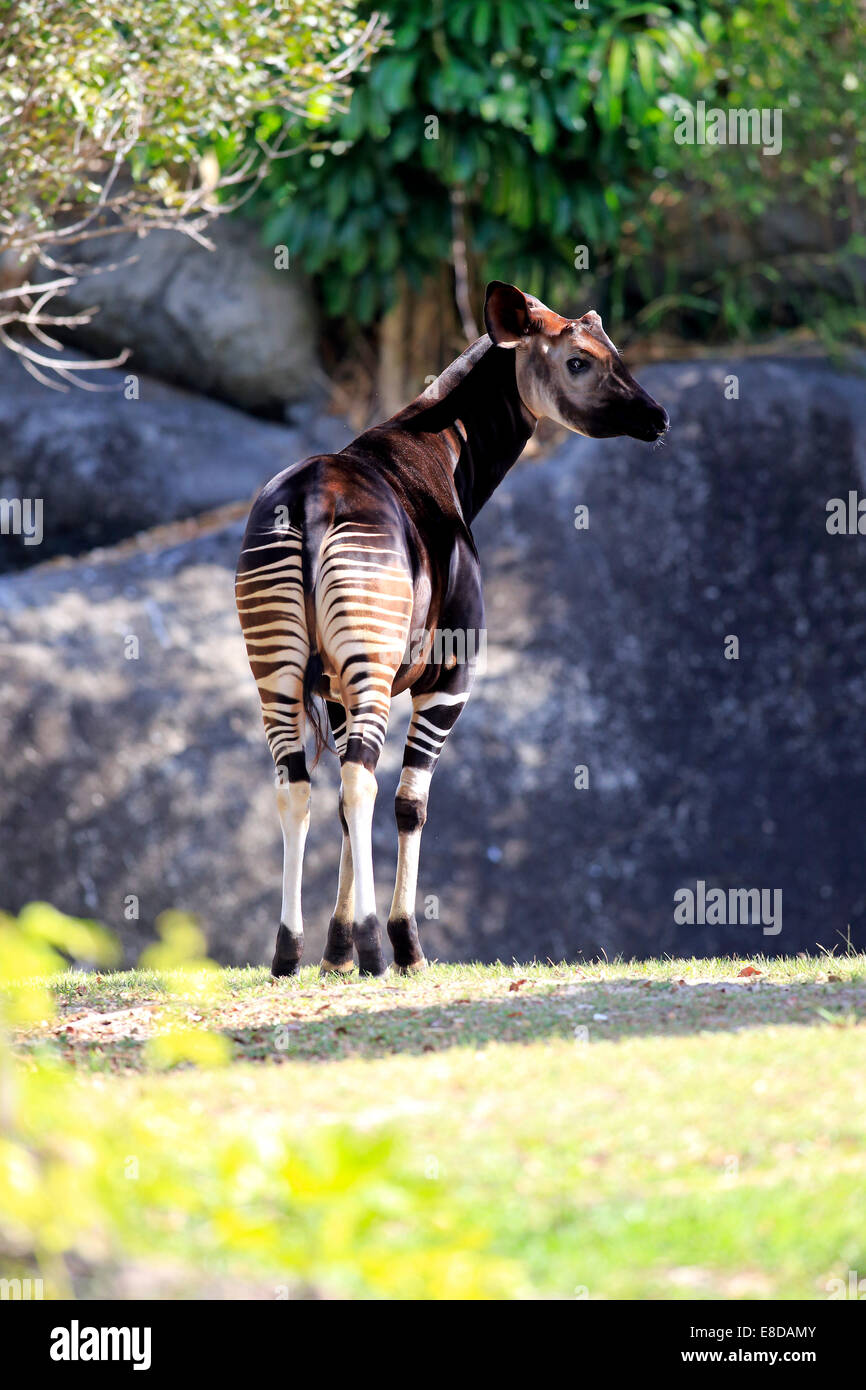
{"type": "Point", "coordinates": [348, 556]}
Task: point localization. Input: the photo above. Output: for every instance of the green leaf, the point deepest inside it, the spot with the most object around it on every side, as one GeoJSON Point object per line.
{"type": "Point", "coordinates": [482, 23]}
{"type": "Point", "coordinates": [645, 62]}
{"type": "Point", "coordinates": [617, 65]}
{"type": "Point", "coordinates": [337, 197]}
{"type": "Point", "coordinates": [509, 25]}
{"type": "Point", "coordinates": [542, 129]}
{"type": "Point", "coordinates": [392, 79]}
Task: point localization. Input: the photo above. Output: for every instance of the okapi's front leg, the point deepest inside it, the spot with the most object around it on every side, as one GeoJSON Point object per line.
{"type": "Point", "coordinates": [433, 717]}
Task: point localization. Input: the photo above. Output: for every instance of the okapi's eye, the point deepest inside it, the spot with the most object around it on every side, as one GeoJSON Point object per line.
{"type": "Point", "coordinates": [576, 364]}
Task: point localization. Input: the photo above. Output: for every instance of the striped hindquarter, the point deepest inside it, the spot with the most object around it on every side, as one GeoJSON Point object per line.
{"type": "Point", "coordinates": [269, 591]}
{"type": "Point", "coordinates": [364, 601]}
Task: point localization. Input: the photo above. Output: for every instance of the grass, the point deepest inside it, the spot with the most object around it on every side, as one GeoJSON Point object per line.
{"type": "Point", "coordinates": [662, 1129]}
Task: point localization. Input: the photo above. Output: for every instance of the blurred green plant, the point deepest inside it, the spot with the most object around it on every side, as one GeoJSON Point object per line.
{"type": "Point", "coordinates": [34, 946]}
{"type": "Point", "coordinates": [787, 231]}
{"type": "Point", "coordinates": [181, 953]}
{"type": "Point", "coordinates": [533, 131]}
{"type": "Point", "coordinates": [99, 1182]}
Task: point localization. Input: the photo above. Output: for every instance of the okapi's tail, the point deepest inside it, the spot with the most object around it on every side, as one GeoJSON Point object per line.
{"type": "Point", "coordinates": [312, 706]}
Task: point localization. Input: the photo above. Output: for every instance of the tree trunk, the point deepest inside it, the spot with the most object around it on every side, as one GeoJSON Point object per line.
{"type": "Point", "coordinates": [417, 338]}
{"type": "Point", "coordinates": [394, 332]}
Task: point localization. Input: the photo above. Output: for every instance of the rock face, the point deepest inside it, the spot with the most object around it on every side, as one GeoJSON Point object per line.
{"type": "Point", "coordinates": [223, 322]}
{"type": "Point", "coordinates": [746, 773]}
{"type": "Point", "coordinates": [132, 725]}
{"type": "Point", "coordinates": [148, 775]}
{"type": "Point", "coordinates": [105, 466]}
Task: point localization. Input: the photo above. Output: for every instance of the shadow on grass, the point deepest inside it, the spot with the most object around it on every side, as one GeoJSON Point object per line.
{"type": "Point", "coordinates": [581, 1014]}
{"type": "Point", "coordinates": [358, 1019]}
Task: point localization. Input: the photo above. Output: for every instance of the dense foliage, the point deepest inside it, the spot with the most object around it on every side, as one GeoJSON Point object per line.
{"type": "Point", "coordinates": [555, 123]}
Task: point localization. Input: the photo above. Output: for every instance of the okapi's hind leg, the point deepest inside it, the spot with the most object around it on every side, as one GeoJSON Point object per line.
{"type": "Point", "coordinates": [293, 805]}
{"type": "Point", "coordinates": [364, 600]}
{"type": "Point", "coordinates": [358, 798]}
{"type": "Point", "coordinates": [338, 957]}
{"type": "Point", "coordinates": [270, 598]}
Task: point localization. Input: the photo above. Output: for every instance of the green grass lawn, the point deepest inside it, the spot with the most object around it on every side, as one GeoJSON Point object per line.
{"type": "Point", "coordinates": [633, 1130]}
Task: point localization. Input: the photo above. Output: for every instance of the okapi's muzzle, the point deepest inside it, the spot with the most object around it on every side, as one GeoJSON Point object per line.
{"type": "Point", "coordinates": [645, 418]}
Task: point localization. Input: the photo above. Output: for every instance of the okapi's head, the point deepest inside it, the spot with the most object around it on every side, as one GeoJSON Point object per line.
{"type": "Point", "coordinates": [568, 369]}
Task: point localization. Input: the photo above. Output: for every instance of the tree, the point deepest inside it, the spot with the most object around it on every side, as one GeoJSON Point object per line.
{"type": "Point", "coordinates": [522, 132]}
{"type": "Point", "coordinates": [535, 143]}
{"type": "Point", "coordinates": [111, 116]}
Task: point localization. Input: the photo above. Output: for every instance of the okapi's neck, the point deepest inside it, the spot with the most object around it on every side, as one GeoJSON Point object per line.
{"type": "Point", "coordinates": [475, 409]}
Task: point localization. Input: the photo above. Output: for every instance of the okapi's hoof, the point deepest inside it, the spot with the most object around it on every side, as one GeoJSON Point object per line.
{"type": "Point", "coordinates": [281, 968]}
{"type": "Point", "coordinates": [337, 958]}
{"type": "Point", "coordinates": [287, 956]}
{"type": "Point", "coordinates": [374, 966]}
{"type": "Point", "coordinates": [412, 968]}
{"type": "Point", "coordinates": [368, 943]}
{"type": "Point", "coordinates": [408, 956]}
{"type": "Point", "coordinates": [333, 967]}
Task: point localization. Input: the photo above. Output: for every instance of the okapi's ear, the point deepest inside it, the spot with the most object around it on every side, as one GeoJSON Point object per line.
{"type": "Point", "coordinates": [508, 314]}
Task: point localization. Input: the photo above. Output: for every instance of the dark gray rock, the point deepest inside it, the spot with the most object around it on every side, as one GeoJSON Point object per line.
{"type": "Point", "coordinates": [223, 322]}
{"type": "Point", "coordinates": [105, 467]}
{"type": "Point", "coordinates": [747, 773]}
{"type": "Point", "coordinates": [606, 649]}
